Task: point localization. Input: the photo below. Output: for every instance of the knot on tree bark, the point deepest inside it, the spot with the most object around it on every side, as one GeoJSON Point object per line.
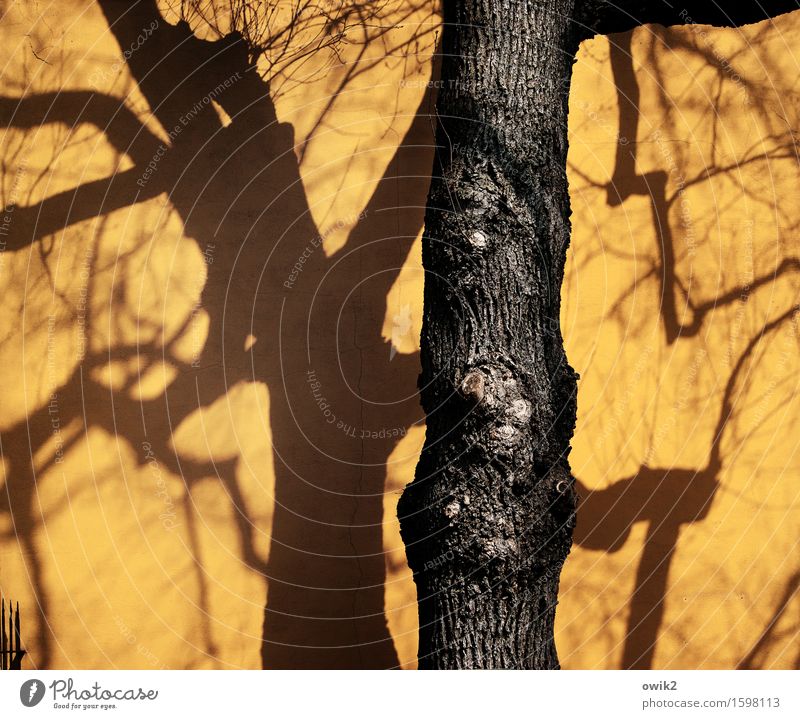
{"type": "Point", "coordinates": [502, 407]}
{"type": "Point", "coordinates": [473, 386]}
{"type": "Point", "coordinates": [561, 487]}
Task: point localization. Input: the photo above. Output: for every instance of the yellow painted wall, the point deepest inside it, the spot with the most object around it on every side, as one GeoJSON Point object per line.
{"type": "Point", "coordinates": [142, 507]}
{"type": "Point", "coordinates": [689, 356]}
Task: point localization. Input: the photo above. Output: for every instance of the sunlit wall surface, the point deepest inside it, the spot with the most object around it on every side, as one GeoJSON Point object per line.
{"type": "Point", "coordinates": [212, 297]}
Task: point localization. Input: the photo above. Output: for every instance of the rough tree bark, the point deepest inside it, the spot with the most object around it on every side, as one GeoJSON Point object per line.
{"type": "Point", "coordinates": [488, 519]}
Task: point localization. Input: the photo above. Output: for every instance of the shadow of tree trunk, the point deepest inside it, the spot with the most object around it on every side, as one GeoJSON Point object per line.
{"type": "Point", "coordinates": [238, 191]}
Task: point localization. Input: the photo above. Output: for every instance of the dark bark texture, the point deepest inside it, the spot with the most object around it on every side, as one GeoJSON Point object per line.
{"type": "Point", "coordinates": [488, 519]}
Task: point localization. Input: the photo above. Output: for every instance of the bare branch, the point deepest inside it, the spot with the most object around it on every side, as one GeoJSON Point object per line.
{"type": "Point", "coordinates": [71, 107]}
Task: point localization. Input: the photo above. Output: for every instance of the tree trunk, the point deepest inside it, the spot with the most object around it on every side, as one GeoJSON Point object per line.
{"type": "Point", "coordinates": [488, 519]}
